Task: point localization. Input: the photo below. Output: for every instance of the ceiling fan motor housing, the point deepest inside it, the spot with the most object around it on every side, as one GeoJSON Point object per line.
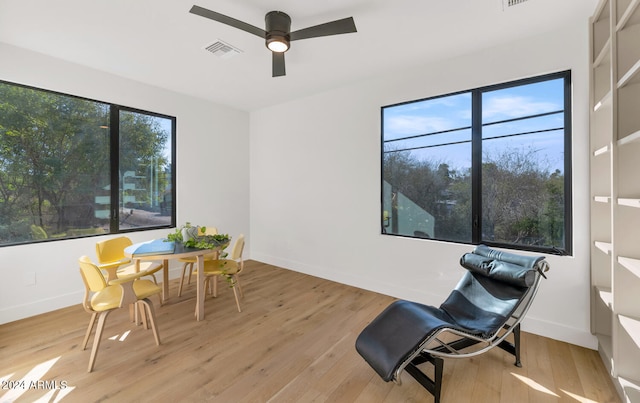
{"type": "Point", "coordinates": [278, 27]}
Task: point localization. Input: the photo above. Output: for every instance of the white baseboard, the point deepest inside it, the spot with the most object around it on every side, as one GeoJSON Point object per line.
{"type": "Point", "coordinates": [560, 332]}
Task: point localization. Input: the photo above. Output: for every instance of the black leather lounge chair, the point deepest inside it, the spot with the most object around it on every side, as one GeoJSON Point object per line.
{"type": "Point", "coordinates": [486, 306]}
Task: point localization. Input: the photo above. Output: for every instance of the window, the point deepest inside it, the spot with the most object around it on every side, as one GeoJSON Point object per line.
{"type": "Point", "coordinates": [72, 167]}
{"type": "Point", "coordinates": [491, 165]}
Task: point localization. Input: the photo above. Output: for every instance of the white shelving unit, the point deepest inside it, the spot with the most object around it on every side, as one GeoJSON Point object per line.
{"type": "Point", "coordinates": [615, 190]}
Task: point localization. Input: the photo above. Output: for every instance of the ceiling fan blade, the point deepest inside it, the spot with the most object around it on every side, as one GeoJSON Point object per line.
{"type": "Point", "coordinates": [278, 64]}
{"type": "Point", "coordinates": [343, 26]}
{"type": "Point", "coordinates": [212, 15]}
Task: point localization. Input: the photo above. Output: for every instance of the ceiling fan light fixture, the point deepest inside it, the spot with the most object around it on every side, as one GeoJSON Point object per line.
{"type": "Point", "coordinates": [277, 43]}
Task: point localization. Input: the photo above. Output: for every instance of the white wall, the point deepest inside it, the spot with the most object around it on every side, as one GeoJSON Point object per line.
{"type": "Point", "coordinates": [212, 177]}
{"type": "Point", "coordinates": [315, 184]}
{"type": "Point", "coordinates": [313, 199]}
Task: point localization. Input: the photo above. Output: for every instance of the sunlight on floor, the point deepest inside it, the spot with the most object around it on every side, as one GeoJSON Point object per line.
{"type": "Point", "coordinates": [56, 390]}
{"type": "Point", "coordinates": [534, 385]}
{"type": "Point", "coordinates": [31, 380]}
{"type": "Point", "coordinates": [579, 398]}
{"type": "Point", "coordinates": [120, 338]}
{"type": "Point", "coordinates": [6, 377]}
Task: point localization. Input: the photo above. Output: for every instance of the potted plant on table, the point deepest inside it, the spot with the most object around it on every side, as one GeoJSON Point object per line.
{"type": "Point", "coordinates": [193, 236]}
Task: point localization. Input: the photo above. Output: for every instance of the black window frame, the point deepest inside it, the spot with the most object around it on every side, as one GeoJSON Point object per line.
{"type": "Point", "coordinates": [476, 164]}
{"type": "Point", "coordinates": [114, 156]}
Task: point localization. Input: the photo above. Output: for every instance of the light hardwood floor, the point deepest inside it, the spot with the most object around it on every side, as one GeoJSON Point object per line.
{"type": "Point", "coordinates": [293, 342]}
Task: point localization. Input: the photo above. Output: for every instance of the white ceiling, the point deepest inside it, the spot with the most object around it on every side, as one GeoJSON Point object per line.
{"type": "Point", "coordinates": [159, 42]}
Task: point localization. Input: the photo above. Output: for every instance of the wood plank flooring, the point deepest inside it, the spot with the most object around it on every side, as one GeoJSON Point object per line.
{"type": "Point", "coordinates": [293, 342]}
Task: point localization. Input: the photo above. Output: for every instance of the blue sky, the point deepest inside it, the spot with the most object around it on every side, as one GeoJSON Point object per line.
{"type": "Point", "coordinates": [454, 111]}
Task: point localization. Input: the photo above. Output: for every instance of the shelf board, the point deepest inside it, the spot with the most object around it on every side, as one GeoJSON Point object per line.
{"type": "Point", "coordinates": [602, 199]}
{"type": "Point", "coordinates": [604, 54]}
{"type": "Point", "coordinates": [606, 99]}
{"type": "Point", "coordinates": [606, 296]}
{"type": "Point", "coordinates": [629, 202]}
{"type": "Point", "coordinates": [627, 14]}
{"type": "Point", "coordinates": [633, 265]}
{"type": "Point", "coordinates": [603, 246]}
{"type": "Point", "coordinates": [635, 136]}
{"type": "Point", "coordinates": [629, 76]}
{"type": "Point", "coordinates": [600, 151]}
{"type": "Point", "coordinates": [601, 11]}
{"type": "Point", "coordinates": [632, 327]}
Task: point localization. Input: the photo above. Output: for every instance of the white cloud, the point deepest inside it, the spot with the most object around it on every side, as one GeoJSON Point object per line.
{"type": "Point", "coordinates": [408, 124]}
{"type": "Point", "coordinates": [515, 106]}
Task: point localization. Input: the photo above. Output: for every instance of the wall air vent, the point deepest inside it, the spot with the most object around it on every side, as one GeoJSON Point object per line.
{"type": "Point", "coordinates": [223, 50]}
{"type": "Point", "coordinates": [510, 3]}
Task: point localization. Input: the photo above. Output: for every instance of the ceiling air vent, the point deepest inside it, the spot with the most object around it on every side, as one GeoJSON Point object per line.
{"type": "Point", "coordinates": [223, 50]}
{"type": "Point", "coordinates": [510, 3]}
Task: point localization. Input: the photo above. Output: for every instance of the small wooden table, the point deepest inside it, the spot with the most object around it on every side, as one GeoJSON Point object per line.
{"type": "Point", "coordinates": [179, 252]}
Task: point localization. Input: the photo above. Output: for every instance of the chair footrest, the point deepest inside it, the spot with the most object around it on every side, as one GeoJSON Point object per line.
{"type": "Point", "coordinates": [396, 333]}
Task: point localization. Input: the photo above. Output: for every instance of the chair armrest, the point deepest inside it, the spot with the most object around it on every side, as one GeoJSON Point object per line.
{"type": "Point", "coordinates": [114, 264]}
{"type": "Point", "coordinates": [127, 278]}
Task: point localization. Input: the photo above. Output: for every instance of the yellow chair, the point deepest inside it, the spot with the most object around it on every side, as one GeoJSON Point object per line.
{"type": "Point", "coordinates": [190, 261]}
{"type": "Point", "coordinates": [229, 268]}
{"type": "Point", "coordinates": [111, 259]}
{"type": "Point", "coordinates": [102, 297]}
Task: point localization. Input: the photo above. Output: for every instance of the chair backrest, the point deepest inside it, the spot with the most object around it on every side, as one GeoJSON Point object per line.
{"type": "Point", "coordinates": [112, 250]}
{"type": "Point", "coordinates": [496, 285]}
{"type": "Point", "coordinates": [238, 247]}
{"type": "Point", "coordinates": [91, 275]}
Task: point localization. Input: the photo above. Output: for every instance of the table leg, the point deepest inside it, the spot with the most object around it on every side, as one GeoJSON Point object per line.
{"type": "Point", "coordinates": [201, 292]}
{"type": "Point", "coordinates": [165, 280]}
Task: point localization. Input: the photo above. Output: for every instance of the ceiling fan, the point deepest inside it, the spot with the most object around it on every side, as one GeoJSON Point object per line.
{"type": "Point", "coordinates": [277, 32]}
